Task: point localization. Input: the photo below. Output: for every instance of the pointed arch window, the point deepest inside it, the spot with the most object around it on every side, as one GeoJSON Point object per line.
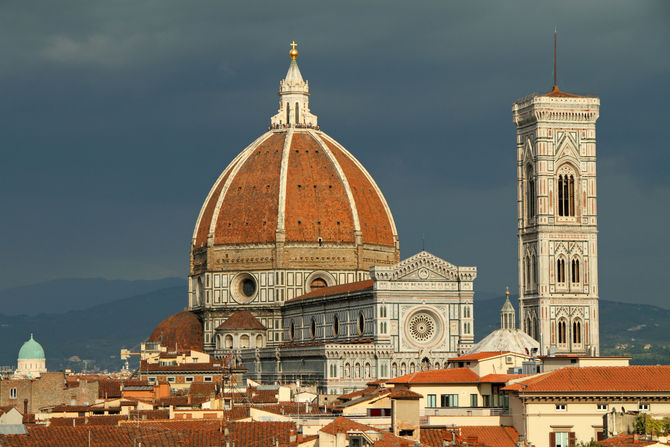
{"type": "Point", "coordinates": [566, 194]}
{"type": "Point", "coordinates": [530, 193]}
{"type": "Point", "coordinates": [574, 273]}
{"type": "Point", "coordinates": [577, 332]}
{"type": "Point", "coordinates": [560, 270]}
{"type": "Point", "coordinates": [297, 112]}
{"type": "Point", "coordinates": [562, 332]}
{"type": "Point", "coordinates": [533, 272]}
{"type": "Point", "coordinates": [288, 113]}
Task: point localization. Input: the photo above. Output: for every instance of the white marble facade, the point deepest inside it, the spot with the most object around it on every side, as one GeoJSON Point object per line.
{"type": "Point", "coordinates": [557, 221]}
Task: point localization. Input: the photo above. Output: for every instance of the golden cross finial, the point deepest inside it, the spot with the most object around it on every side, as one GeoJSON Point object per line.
{"type": "Point", "coordinates": [293, 53]}
{"type": "Point", "coordinates": [507, 291]}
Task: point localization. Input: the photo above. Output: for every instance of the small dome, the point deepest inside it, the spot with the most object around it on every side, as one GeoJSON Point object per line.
{"type": "Point", "coordinates": [31, 350]}
{"type": "Point", "coordinates": [182, 331]}
{"type": "Point", "coordinates": [512, 340]}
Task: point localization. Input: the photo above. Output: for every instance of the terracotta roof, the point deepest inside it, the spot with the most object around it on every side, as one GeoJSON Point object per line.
{"type": "Point", "coordinates": [478, 356]}
{"type": "Point", "coordinates": [599, 379]}
{"type": "Point", "coordinates": [500, 378]}
{"type": "Point", "coordinates": [405, 395]}
{"type": "Point", "coordinates": [556, 93]}
{"type": "Point", "coordinates": [202, 389]}
{"type": "Point", "coordinates": [484, 436]}
{"type": "Point", "coordinates": [242, 319]}
{"type": "Point", "coordinates": [182, 330]}
{"type": "Point", "coordinates": [626, 441]}
{"type": "Point", "coordinates": [339, 289]}
{"type": "Point", "coordinates": [265, 396]}
{"type": "Point", "coordinates": [344, 425]}
{"type": "Point", "coordinates": [449, 375]}
{"type": "Point", "coordinates": [317, 204]}
{"type": "Point", "coordinates": [154, 433]}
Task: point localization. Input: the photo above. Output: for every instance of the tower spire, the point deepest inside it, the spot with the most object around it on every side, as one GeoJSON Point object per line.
{"type": "Point", "coordinates": [555, 59]}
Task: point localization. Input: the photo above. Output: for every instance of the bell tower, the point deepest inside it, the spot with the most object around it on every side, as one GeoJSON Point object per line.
{"type": "Point", "coordinates": [557, 220]}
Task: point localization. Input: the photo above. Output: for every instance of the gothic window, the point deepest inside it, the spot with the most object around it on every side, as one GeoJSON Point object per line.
{"type": "Point", "coordinates": [577, 332]}
{"type": "Point", "coordinates": [312, 329]}
{"type": "Point", "coordinates": [288, 112]}
{"type": "Point", "coordinates": [566, 194]}
{"type": "Point", "coordinates": [361, 324]}
{"type": "Point", "coordinates": [575, 271]}
{"type": "Point", "coordinates": [291, 331]}
{"type": "Point", "coordinates": [382, 311]}
{"type": "Point", "coordinates": [562, 332]}
{"type": "Point", "coordinates": [297, 112]}
{"type": "Point", "coordinates": [526, 269]}
{"type": "Point", "coordinates": [533, 267]}
{"type": "Point", "coordinates": [336, 326]}
{"type": "Point", "coordinates": [466, 312]}
{"type": "Point", "coordinates": [530, 193]}
{"type": "Point", "coordinates": [560, 270]}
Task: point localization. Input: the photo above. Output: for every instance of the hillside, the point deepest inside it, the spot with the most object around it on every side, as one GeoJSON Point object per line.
{"type": "Point", "coordinates": [95, 334]}
{"type": "Point", "coordinates": [639, 330]}
{"type": "Point", "coordinates": [63, 295]}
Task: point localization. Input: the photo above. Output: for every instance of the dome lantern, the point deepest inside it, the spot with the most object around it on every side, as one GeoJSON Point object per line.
{"type": "Point", "coordinates": [293, 98]}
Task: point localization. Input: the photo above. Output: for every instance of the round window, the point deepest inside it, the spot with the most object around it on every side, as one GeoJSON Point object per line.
{"type": "Point", "coordinates": [422, 327]}
{"type": "Point", "coordinates": [361, 324]}
{"type": "Point", "coordinates": [244, 288]}
{"type": "Point", "coordinates": [248, 287]}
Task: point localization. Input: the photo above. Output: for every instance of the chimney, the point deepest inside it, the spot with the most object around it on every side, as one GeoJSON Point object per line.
{"type": "Point", "coordinates": [25, 407]}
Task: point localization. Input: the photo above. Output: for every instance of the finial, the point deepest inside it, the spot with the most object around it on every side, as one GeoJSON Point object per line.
{"type": "Point", "coordinates": [507, 291]}
{"type": "Point", "coordinates": [293, 53]}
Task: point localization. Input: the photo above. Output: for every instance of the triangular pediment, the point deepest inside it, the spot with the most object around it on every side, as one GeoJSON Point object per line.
{"type": "Point", "coordinates": [422, 266]}
{"type": "Point", "coordinates": [528, 151]}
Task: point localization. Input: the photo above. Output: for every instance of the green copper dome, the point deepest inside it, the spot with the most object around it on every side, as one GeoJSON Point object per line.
{"type": "Point", "coordinates": [31, 350]}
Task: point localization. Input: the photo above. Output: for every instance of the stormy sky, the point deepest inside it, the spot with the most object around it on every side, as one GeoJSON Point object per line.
{"type": "Point", "coordinates": [116, 117]}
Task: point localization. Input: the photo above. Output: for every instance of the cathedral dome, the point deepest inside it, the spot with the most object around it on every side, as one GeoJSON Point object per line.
{"type": "Point", "coordinates": [31, 350]}
{"type": "Point", "coordinates": [297, 193]}
{"type": "Point", "coordinates": [181, 331]}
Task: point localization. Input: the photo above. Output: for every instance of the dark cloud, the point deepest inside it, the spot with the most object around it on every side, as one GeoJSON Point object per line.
{"type": "Point", "coordinates": [118, 116]}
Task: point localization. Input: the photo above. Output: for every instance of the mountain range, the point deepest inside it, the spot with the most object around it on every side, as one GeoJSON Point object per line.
{"type": "Point", "coordinates": [92, 337]}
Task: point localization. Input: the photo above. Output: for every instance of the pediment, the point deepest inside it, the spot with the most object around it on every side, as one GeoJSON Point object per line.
{"type": "Point", "coordinates": [422, 266]}
{"type": "Point", "coordinates": [528, 151]}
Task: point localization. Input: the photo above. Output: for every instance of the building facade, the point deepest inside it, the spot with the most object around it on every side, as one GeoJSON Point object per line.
{"type": "Point", "coordinates": [557, 220]}
{"type": "Point", "coordinates": [293, 218]}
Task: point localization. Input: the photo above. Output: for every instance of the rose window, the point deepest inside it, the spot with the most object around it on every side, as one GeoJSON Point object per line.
{"type": "Point", "coordinates": [422, 327]}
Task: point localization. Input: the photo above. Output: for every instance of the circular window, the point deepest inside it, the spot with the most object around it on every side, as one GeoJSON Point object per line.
{"type": "Point", "coordinates": [336, 326]}
{"type": "Point", "coordinates": [244, 288]}
{"type": "Point", "coordinates": [318, 283]}
{"type": "Point", "coordinates": [291, 331]}
{"type": "Point", "coordinates": [312, 329]}
{"type": "Point", "coordinates": [361, 324]}
{"type": "Point", "coordinates": [422, 327]}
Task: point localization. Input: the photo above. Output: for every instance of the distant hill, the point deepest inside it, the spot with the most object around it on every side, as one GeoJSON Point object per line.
{"type": "Point", "coordinates": [63, 295]}
{"type": "Point", "coordinates": [639, 330]}
{"type": "Point", "coordinates": [96, 333]}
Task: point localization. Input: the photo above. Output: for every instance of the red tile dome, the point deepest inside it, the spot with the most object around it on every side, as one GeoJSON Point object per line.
{"type": "Point", "coordinates": [296, 186]}
{"type": "Point", "coordinates": [182, 330]}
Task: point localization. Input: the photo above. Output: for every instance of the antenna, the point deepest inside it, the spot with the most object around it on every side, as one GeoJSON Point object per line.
{"type": "Point", "coordinates": [555, 58]}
